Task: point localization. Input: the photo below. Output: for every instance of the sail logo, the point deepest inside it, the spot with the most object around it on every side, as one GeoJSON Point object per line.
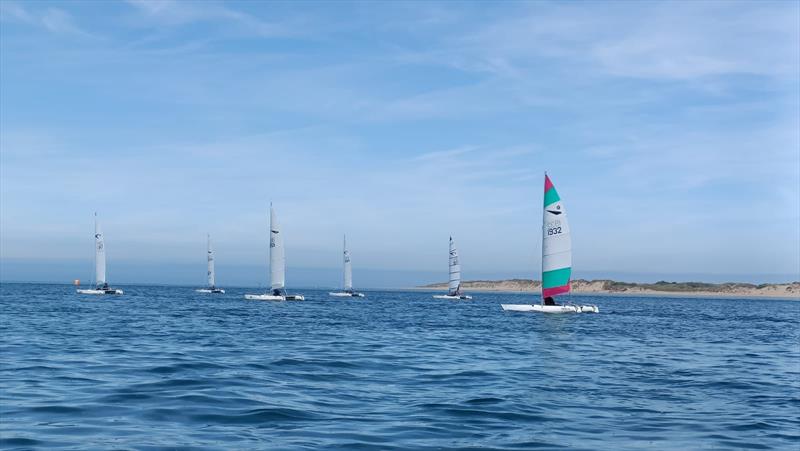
{"type": "Point", "coordinates": [557, 210]}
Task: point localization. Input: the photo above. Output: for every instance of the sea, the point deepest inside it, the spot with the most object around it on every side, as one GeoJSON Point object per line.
{"type": "Point", "coordinates": [163, 367]}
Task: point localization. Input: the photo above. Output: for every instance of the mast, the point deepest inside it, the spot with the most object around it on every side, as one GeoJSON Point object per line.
{"type": "Point", "coordinates": [211, 275]}
{"type": "Point", "coordinates": [544, 221]}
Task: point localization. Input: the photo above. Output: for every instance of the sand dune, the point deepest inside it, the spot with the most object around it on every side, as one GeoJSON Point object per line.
{"type": "Point", "coordinates": [788, 290]}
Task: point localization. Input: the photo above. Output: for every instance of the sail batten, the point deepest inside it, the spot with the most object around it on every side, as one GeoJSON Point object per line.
{"type": "Point", "coordinates": [277, 260]}
{"type": "Point", "coordinates": [454, 284]}
{"type": "Point", "coordinates": [556, 244]}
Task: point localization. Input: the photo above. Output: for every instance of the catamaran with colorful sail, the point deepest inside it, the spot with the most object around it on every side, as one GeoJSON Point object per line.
{"type": "Point", "coordinates": [347, 277]}
{"type": "Point", "coordinates": [101, 284]}
{"type": "Point", "coordinates": [556, 259]}
{"type": "Point", "coordinates": [454, 284]}
{"type": "Point", "coordinates": [211, 288]}
{"type": "Point", "coordinates": [277, 266]}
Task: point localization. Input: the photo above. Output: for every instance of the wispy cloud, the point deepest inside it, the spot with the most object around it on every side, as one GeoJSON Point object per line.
{"type": "Point", "coordinates": [179, 13]}
{"type": "Point", "coordinates": [440, 155]}
{"type": "Point", "coordinates": [54, 20]}
{"type": "Point", "coordinates": [664, 40]}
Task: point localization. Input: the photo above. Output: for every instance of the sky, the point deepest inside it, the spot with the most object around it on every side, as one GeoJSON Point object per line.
{"type": "Point", "coordinates": [670, 130]}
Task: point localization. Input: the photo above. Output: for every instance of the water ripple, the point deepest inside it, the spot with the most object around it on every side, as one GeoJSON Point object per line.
{"type": "Point", "coordinates": [165, 368]}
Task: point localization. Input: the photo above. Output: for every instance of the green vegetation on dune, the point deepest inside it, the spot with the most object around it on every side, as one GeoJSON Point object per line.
{"type": "Point", "coordinates": [663, 285]}
{"type": "Point", "coordinates": [618, 287]}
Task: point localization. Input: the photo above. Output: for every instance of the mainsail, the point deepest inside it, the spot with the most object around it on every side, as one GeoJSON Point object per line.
{"type": "Point", "coordinates": [556, 244]}
{"type": "Point", "coordinates": [99, 254]}
{"type": "Point", "coordinates": [454, 286]}
{"type": "Point", "coordinates": [348, 269]}
{"type": "Point", "coordinates": [211, 281]}
{"type": "Point", "coordinates": [277, 261]}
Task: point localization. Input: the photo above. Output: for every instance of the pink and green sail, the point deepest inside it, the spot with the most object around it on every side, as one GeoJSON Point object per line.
{"type": "Point", "coordinates": [556, 244]}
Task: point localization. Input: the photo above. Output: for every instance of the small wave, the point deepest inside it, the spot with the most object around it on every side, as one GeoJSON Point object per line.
{"type": "Point", "coordinates": [118, 398]}
{"type": "Point", "coordinates": [467, 412]}
{"type": "Point", "coordinates": [314, 362]}
{"type": "Point", "coordinates": [743, 445]}
{"type": "Point", "coordinates": [19, 441]}
{"type": "Point", "coordinates": [257, 416]}
{"type": "Point", "coordinates": [186, 366]}
{"type": "Point", "coordinates": [482, 401]}
{"type": "Point", "coordinates": [755, 426]}
{"type": "Point", "coordinates": [56, 409]}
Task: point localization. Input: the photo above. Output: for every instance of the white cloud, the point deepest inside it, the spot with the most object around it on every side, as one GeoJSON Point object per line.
{"type": "Point", "coordinates": [54, 20]}
{"type": "Point", "coordinates": [682, 41]}
{"type": "Point", "coordinates": [178, 13]}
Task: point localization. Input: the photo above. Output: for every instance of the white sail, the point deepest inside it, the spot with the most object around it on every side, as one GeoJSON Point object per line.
{"type": "Point", "coordinates": [556, 244]}
{"type": "Point", "coordinates": [454, 286]}
{"type": "Point", "coordinates": [348, 269]}
{"type": "Point", "coordinates": [277, 260]}
{"type": "Point", "coordinates": [211, 275]}
{"type": "Point", "coordinates": [99, 254]}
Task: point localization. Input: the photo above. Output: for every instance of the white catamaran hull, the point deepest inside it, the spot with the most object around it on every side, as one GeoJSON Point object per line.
{"type": "Point", "coordinates": [462, 297]}
{"type": "Point", "coordinates": [550, 308]}
{"type": "Point", "coordinates": [272, 297]}
{"type": "Point", "coordinates": [210, 290]}
{"type": "Point", "coordinates": [264, 297]}
{"type": "Point", "coordinates": [346, 295]}
{"type": "Point", "coordinates": [91, 291]}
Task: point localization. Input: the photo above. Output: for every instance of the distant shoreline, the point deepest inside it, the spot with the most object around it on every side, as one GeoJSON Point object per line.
{"type": "Point", "coordinates": [790, 290]}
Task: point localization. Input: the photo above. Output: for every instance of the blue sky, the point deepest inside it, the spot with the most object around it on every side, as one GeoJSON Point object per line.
{"type": "Point", "coordinates": [670, 129]}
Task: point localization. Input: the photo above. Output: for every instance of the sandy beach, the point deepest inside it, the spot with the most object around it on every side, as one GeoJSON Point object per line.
{"type": "Point", "coordinates": [684, 289]}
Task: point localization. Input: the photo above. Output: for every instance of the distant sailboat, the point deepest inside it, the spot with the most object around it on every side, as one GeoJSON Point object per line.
{"type": "Point", "coordinates": [454, 285]}
{"type": "Point", "coordinates": [347, 276]}
{"type": "Point", "coordinates": [277, 266]}
{"type": "Point", "coordinates": [556, 258]}
{"type": "Point", "coordinates": [212, 287]}
{"type": "Point", "coordinates": [101, 285]}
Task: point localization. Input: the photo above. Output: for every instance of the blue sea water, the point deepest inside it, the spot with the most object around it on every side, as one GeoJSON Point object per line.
{"type": "Point", "coordinates": [167, 368]}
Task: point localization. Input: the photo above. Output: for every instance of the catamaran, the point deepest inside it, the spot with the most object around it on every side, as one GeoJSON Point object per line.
{"type": "Point", "coordinates": [212, 287]}
{"type": "Point", "coordinates": [556, 259]}
{"type": "Point", "coordinates": [454, 285]}
{"type": "Point", "coordinates": [277, 266]}
{"type": "Point", "coordinates": [101, 285]}
{"type": "Point", "coordinates": [347, 276]}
